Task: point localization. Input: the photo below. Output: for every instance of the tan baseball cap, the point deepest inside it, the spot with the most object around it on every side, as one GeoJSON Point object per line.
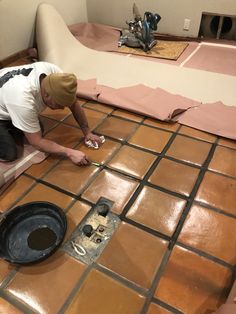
{"type": "Point", "coordinates": [61, 87]}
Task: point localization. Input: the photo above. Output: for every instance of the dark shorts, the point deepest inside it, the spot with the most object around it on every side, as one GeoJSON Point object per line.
{"type": "Point", "coordinates": [10, 139]}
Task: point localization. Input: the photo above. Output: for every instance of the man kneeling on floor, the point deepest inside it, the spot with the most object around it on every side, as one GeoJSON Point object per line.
{"type": "Point", "coordinates": [27, 90]}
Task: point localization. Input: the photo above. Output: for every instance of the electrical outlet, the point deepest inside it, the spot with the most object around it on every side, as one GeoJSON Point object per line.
{"type": "Point", "coordinates": [186, 24]}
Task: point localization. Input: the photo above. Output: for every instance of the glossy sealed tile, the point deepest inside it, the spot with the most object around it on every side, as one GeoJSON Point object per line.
{"type": "Point", "coordinates": [38, 170]}
{"type": "Point", "coordinates": [210, 232]}
{"type": "Point", "coordinates": [197, 134]}
{"type": "Point", "coordinates": [218, 191]}
{"type": "Point", "coordinates": [58, 115]}
{"type": "Point", "coordinates": [189, 150]}
{"type": "Point", "coordinates": [127, 115]}
{"type": "Point", "coordinates": [101, 294]}
{"type": "Point", "coordinates": [101, 155]}
{"type": "Point", "coordinates": [112, 186]}
{"type": "Point", "coordinates": [43, 193]}
{"type": "Point", "coordinates": [192, 284]}
{"type": "Point", "coordinates": [14, 191]}
{"type": "Point", "coordinates": [171, 126]}
{"type": "Point", "coordinates": [132, 161]}
{"type": "Point", "coordinates": [134, 254]}
{"type": "Point", "coordinates": [98, 106]}
{"type": "Point", "coordinates": [7, 308]}
{"type": "Point", "coordinates": [65, 135]}
{"type": "Point", "coordinates": [93, 117]}
{"type": "Point", "coordinates": [70, 177]}
{"type": "Point", "coordinates": [224, 161]}
{"type": "Point", "coordinates": [157, 309]}
{"type": "Point", "coordinates": [46, 286]}
{"type": "Point", "coordinates": [150, 138]}
{"type": "Point", "coordinates": [157, 210]}
{"type": "Point", "coordinates": [174, 176]}
{"type": "Point", "coordinates": [117, 128]}
{"type": "Point", "coordinates": [48, 124]}
{"type": "Point", "coordinates": [227, 142]}
{"type": "Point", "coordinates": [74, 216]}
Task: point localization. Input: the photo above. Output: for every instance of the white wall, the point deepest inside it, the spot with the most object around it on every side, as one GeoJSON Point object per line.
{"type": "Point", "coordinates": [17, 20]}
{"type": "Point", "coordinates": [173, 12]}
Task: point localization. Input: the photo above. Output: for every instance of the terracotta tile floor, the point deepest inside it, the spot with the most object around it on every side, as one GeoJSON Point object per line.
{"type": "Point", "coordinates": [174, 189]}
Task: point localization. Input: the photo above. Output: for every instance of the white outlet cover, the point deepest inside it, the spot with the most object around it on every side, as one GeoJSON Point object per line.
{"type": "Point", "coordinates": [187, 24]}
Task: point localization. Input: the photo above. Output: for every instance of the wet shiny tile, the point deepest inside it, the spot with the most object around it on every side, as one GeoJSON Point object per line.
{"type": "Point", "coordinates": [192, 284]}
{"type": "Point", "coordinates": [112, 186]}
{"type": "Point", "coordinates": [74, 216]}
{"type": "Point", "coordinates": [157, 309]}
{"type": "Point", "coordinates": [210, 232]}
{"type": "Point", "coordinates": [157, 210]}
{"type": "Point", "coordinates": [189, 150]}
{"type": "Point", "coordinates": [132, 161]}
{"type": "Point", "coordinates": [117, 128]}
{"type": "Point", "coordinates": [150, 138]}
{"type": "Point", "coordinates": [197, 134]}
{"type": "Point", "coordinates": [174, 176]}
{"type": "Point", "coordinates": [7, 308]}
{"type": "Point", "coordinates": [58, 115]}
{"type": "Point", "coordinates": [43, 193]}
{"type": "Point", "coordinates": [46, 286]}
{"type": "Point", "coordinates": [101, 294]}
{"type": "Point", "coordinates": [127, 115]}
{"type": "Point", "coordinates": [93, 117]}
{"type": "Point", "coordinates": [218, 191]}
{"type": "Point", "coordinates": [161, 124]}
{"type": "Point", "coordinates": [5, 269]}
{"type": "Point", "coordinates": [70, 177]}
{"type": "Point", "coordinates": [100, 107]}
{"type": "Point", "coordinates": [15, 190]}
{"type": "Point", "coordinates": [38, 170]}
{"type": "Point", "coordinates": [134, 254]}
{"type": "Point", "coordinates": [65, 135]}
{"type": "Point", "coordinates": [102, 154]}
{"type": "Point", "coordinates": [227, 142]}
{"type": "Point", "coordinates": [224, 161]}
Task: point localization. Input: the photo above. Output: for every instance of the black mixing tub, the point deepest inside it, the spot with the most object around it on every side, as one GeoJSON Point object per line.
{"type": "Point", "coordinates": [31, 232]}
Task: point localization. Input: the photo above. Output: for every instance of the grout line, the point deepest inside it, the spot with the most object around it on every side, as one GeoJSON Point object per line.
{"type": "Point", "coordinates": [25, 308]}
{"type": "Point", "coordinates": [210, 257]}
{"type": "Point", "coordinates": [121, 279]}
{"type": "Point", "coordinates": [156, 280]}
{"type": "Point", "coordinates": [166, 306]}
{"type": "Point", "coordinates": [215, 209]}
{"type": "Point", "coordinates": [9, 277]}
{"type": "Point", "coordinates": [178, 229]}
{"type": "Point", "coordinates": [75, 289]}
{"type": "Point", "coordinates": [146, 229]}
{"type": "Point", "coordinates": [190, 56]}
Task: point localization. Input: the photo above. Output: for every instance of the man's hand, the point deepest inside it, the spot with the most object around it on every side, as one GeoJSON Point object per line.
{"type": "Point", "coordinates": [95, 139]}
{"type": "Point", "coordinates": [47, 146]}
{"type": "Point", "coordinates": [78, 157]}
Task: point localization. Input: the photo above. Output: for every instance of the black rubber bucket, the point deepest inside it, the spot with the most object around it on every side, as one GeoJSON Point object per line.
{"type": "Point", "coordinates": [31, 232]}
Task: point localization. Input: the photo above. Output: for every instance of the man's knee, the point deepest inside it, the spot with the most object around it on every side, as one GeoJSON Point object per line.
{"type": "Point", "coordinates": [10, 154]}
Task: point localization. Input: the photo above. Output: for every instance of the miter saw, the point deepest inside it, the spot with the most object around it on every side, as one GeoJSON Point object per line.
{"type": "Point", "coordinates": [140, 32]}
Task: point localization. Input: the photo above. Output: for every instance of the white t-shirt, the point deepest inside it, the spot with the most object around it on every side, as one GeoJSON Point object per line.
{"type": "Point", "coordinates": [20, 96]}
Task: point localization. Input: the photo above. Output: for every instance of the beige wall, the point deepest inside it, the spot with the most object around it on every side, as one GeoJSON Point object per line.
{"type": "Point", "coordinates": [17, 18]}
{"type": "Point", "coordinates": [173, 12]}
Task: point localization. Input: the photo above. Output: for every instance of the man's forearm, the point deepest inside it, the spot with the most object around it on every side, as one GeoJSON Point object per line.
{"type": "Point", "coordinates": [46, 145]}
{"type": "Point", "coordinates": [80, 117]}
